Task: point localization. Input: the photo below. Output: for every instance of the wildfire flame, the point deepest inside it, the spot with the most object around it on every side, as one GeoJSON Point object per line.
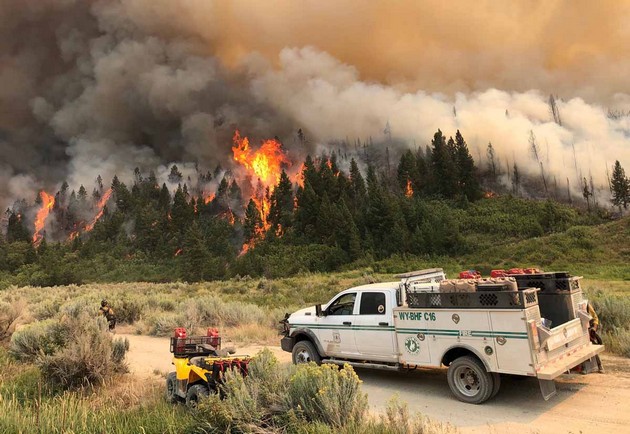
{"type": "Point", "coordinates": [101, 208]}
{"type": "Point", "coordinates": [409, 189]}
{"type": "Point", "coordinates": [48, 202]}
{"type": "Point", "coordinates": [209, 198]}
{"type": "Point", "coordinates": [178, 252]}
{"type": "Point", "coordinates": [264, 163]}
{"type": "Point", "coordinates": [489, 194]}
{"type": "Point", "coordinates": [299, 176]}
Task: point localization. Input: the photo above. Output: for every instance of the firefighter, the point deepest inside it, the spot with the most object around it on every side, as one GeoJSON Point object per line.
{"type": "Point", "coordinates": [595, 338]}
{"type": "Point", "coordinates": [109, 315]}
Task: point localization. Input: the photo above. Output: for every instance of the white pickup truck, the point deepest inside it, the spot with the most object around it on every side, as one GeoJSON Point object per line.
{"type": "Point", "coordinates": [537, 328]}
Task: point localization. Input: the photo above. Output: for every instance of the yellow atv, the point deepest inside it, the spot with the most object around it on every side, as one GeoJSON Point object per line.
{"type": "Point", "coordinates": [199, 366]}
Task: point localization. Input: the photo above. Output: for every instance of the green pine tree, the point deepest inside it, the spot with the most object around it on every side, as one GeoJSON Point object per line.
{"type": "Point", "coordinates": [620, 186]}
{"type": "Point", "coordinates": [194, 256]}
{"type": "Point", "coordinates": [281, 208]}
{"type": "Point", "coordinates": [468, 184]}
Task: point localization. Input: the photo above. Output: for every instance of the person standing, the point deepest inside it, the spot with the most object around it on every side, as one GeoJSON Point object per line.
{"type": "Point", "coordinates": [595, 338]}
{"type": "Point", "coordinates": [109, 315]}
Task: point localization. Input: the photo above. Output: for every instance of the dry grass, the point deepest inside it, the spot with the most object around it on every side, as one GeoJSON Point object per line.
{"type": "Point", "coordinates": [247, 334]}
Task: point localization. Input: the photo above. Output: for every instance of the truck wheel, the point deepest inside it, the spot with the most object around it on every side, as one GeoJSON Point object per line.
{"type": "Point", "coordinates": [497, 384]}
{"type": "Point", "coordinates": [469, 381]}
{"type": "Point", "coordinates": [171, 388]}
{"type": "Point", "coordinates": [305, 352]}
{"type": "Point", "coordinates": [195, 393]}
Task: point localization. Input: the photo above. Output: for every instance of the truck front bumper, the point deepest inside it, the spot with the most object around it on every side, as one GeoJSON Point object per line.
{"type": "Point", "coordinates": [287, 343]}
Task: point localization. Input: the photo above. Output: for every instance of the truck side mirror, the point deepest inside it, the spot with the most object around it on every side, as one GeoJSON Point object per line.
{"type": "Point", "coordinates": [318, 310]}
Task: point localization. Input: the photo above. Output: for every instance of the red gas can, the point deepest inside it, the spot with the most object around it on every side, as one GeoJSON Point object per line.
{"type": "Point", "coordinates": [215, 339]}
{"type": "Point", "coordinates": [470, 274]}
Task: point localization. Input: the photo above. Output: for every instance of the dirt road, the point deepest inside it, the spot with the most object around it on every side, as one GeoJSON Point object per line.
{"type": "Point", "coordinates": [593, 403]}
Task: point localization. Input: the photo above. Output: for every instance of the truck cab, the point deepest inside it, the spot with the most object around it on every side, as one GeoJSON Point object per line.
{"type": "Point", "coordinates": [356, 324]}
{"type": "Point", "coordinates": [479, 328]}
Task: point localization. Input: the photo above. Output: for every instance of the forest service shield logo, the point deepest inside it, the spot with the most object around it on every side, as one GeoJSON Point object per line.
{"type": "Point", "coordinates": [412, 345]}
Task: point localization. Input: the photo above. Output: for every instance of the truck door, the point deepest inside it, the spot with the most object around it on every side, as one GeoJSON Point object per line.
{"type": "Point", "coordinates": [335, 330]}
{"type": "Point", "coordinates": [374, 327]}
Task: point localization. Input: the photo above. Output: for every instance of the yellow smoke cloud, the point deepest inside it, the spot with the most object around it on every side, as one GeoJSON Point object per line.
{"type": "Point", "coordinates": [573, 48]}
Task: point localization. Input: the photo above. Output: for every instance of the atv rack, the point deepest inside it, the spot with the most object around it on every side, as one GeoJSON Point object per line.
{"type": "Point", "coordinates": [194, 346]}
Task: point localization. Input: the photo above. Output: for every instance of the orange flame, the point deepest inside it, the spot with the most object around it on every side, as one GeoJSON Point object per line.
{"type": "Point", "coordinates": [48, 202]}
{"type": "Point", "coordinates": [229, 216]}
{"type": "Point", "coordinates": [246, 247]}
{"type": "Point", "coordinates": [489, 194]}
{"type": "Point", "coordinates": [408, 189]}
{"type": "Point", "coordinates": [265, 163]}
{"type": "Point", "coordinates": [101, 208]}
{"type": "Point", "coordinates": [178, 252]}
{"type": "Point", "coordinates": [299, 176]}
{"type": "Point", "coordinates": [209, 198]}
{"type": "Point", "coordinates": [264, 205]}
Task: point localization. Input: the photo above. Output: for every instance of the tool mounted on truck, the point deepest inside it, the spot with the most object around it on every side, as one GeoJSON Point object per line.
{"type": "Point", "coordinates": [531, 324]}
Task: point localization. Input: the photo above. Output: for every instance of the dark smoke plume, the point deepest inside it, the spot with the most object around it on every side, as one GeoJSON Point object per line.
{"type": "Point", "coordinates": [94, 87]}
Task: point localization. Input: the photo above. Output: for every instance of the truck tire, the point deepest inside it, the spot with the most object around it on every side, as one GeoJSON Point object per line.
{"type": "Point", "coordinates": [469, 381]}
{"type": "Point", "coordinates": [305, 352]}
{"type": "Point", "coordinates": [195, 393]}
{"type": "Point", "coordinates": [171, 388]}
{"type": "Point", "coordinates": [497, 384]}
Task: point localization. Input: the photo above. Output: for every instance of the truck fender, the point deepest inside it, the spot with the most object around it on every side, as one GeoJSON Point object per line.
{"type": "Point", "coordinates": [459, 350]}
{"type": "Point", "coordinates": [301, 334]}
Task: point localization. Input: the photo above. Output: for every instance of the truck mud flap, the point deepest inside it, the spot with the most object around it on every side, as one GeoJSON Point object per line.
{"type": "Point", "coordinates": [547, 388]}
{"type": "Point", "coordinates": [287, 343]}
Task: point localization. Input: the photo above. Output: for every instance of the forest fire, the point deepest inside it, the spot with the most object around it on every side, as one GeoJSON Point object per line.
{"type": "Point", "coordinates": [101, 209]}
{"type": "Point", "coordinates": [408, 189]}
{"type": "Point", "coordinates": [48, 202]}
{"type": "Point", "coordinates": [265, 163]}
{"type": "Point", "coordinates": [299, 176]}
{"type": "Point", "coordinates": [207, 198]}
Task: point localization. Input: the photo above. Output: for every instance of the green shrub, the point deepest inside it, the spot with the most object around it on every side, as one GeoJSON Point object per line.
{"type": "Point", "coordinates": [10, 313]}
{"type": "Point", "coordinates": [283, 398]}
{"type": "Point", "coordinates": [614, 316]}
{"type": "Point", "coordinates": [89, 355]}
{"type": "Point", "coordinates": [71, 352]}
{"type": "Point", "coordinates": [617, 341]}
{"type": "Point", "coordinates": [37, 339]}
{"type": "Point", "coordinates": [128, 311]}
{"type": "Point", "coordinates": [327, 394]}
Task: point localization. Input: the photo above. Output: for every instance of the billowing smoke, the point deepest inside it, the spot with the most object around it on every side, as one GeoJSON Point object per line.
{"type": "Point", "coordinates": [102, 86]}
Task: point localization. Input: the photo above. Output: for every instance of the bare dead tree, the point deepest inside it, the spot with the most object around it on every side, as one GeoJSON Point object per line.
{"type": "Point", "coordinates": [553, 108]}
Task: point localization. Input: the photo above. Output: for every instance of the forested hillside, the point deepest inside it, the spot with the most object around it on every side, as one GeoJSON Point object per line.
{"type": "Point", "coordinates": [331, 211]}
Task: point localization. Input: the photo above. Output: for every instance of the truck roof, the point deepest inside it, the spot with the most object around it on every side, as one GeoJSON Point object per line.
{"type": "Point", "coordinates": [381, 285]}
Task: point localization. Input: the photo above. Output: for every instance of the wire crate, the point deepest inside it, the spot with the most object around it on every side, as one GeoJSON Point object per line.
{"type": "Point", "coordinates": [473, 300]}
{"type": "Point", "coordinates": [194, 345]}
{"type": "Point", "coordinates": [560, 282]}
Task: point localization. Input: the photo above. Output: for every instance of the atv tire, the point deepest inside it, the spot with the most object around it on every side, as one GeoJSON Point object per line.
{"type": "Point", "coordinates": [171, 388]}
{"type": "Point", "coordinates": [195, 394]}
